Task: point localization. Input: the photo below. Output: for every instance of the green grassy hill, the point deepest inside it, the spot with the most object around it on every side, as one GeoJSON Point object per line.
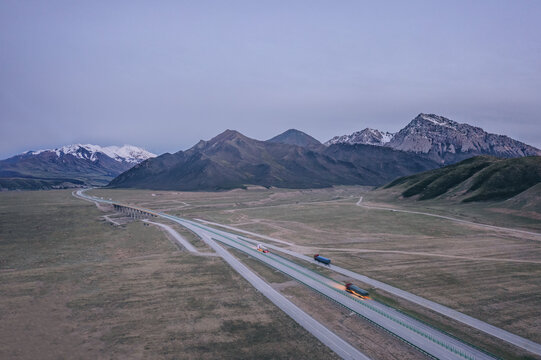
{"type": "Point", "coordinates": [481, 178]}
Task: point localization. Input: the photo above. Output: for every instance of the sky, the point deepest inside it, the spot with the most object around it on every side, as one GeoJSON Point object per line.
{"type": "Point", "coordinates": [164, 74]}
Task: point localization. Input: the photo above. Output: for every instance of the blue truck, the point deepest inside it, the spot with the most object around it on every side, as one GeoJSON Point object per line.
{"type": "Point", "coordinates": [322, 259]}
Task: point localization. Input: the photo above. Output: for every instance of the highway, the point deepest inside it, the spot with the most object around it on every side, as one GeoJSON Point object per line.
{"type": "Point", "coordinates": [497, 332]}
{"type": "Point", "coordinates": [322, 333]}
{"type": "Point", "coordinates": [424, 337]}
{"type": "Point", "coordinates": [418, 334]}
{"type": "Point", "coordinates": [327, 337]}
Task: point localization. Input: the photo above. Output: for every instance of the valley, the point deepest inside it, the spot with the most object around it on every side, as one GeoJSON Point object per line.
{"type": "Point", "coordinates": [490, 275]}
{"type": "Point", "coordinates": [270, 180]}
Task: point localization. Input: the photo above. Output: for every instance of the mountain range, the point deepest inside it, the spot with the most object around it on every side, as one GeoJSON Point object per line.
{"type": "Point", "coordinates": [292, 159]}
{"type": "Point", "coordinates": [67, 166]}
{"type": "Point", "coordinates": [232, 160]}
{"type": "Point", "coordinates": [295, 159]}
{"type": "Point", "coordinates": [442, 140]}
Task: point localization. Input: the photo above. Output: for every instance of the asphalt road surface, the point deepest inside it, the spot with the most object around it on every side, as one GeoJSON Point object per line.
{"type": "Point", "coordinates": [327, 337]}
{"type": "Point", "coordinates": [322, 333]}
{"type": "Point", "coordinates": [424, 337]}
{"type": "Point", "coordinates": [497, 332]}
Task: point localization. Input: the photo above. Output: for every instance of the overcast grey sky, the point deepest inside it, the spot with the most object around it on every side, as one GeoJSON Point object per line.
{"type": "Point", "coordinates": [164, 74]}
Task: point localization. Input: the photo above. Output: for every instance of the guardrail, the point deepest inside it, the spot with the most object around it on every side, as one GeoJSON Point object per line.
{"type": "Point", "coordinates": [380, 312]}
{"type": "Point", "coordinates": [363, 303]}
{"type": "Point", "coordinates": [400, 311]}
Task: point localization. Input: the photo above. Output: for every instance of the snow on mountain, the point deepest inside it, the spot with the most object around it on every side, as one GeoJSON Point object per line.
{"type": "Point", "coordinates": [69, 166]}
{"type": "Point", "coordinates": [448, 141]}
{"type": "Point", "coordinates": [385, 137]}
{"type": "Point", "coordinates": [127, 154]}
{"type": "Point", "coordinates": [367, 136]}
{"type": "Point", "coordinates": [437, 120]}
{"type": "Point", "coordinates": [441, 139]}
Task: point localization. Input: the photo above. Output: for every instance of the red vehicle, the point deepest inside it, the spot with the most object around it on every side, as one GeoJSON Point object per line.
{"type": "Point", "coordinates": [262, 248]}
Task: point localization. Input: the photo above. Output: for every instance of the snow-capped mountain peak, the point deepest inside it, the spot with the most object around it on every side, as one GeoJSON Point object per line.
{"type": "Point", "coordinates": [127, 153]}
{"type": "Point", "coordinates": [437, 120]}
{"type": "Point", "coordinates": [367, 136]}
{"type": "Point", "coordinates": [441, 139]}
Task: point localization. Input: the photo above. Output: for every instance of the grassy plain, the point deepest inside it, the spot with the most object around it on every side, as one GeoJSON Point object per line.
{"type": "Point", "coordinates": [490, 274]}
{"type": "Point", "coordinates": [74, 286]}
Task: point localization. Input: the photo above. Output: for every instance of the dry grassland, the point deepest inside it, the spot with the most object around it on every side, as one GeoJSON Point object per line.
{"type": "Point", "coordinates": [74, 286]}
{"type": "Point", "coordinates": [492, 275]}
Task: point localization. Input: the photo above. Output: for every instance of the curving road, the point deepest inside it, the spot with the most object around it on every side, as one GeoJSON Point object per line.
{"type": "Point", "coordinates": [322, 333]}
{"type": "Point", "coordinates": [492, 227]}
{"type": "Point", "coordinates": [180, 239]}
{"type": "Point", "coordinates": [426, 338]}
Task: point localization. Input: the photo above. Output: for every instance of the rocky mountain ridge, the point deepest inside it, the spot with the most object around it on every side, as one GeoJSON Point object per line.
{"type": "Point", "coordinates": [232, 160]}
{"type": "Point", "coordinates": [442, 140]}
{"type": "Point", "coordinates": [366, 137]}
